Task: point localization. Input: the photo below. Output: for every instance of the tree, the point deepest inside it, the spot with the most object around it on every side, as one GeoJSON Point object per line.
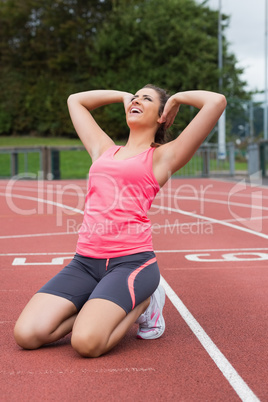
{"type": "Point", "coordinates": [50, 49]}
{"type": "Point", "coordinates": [173, 44]}
{"type": "Point", "coordinates": [45, 52]}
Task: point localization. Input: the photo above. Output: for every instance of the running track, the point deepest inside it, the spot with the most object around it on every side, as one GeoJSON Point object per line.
{"type": "Point", "coordinates": [211, 243]}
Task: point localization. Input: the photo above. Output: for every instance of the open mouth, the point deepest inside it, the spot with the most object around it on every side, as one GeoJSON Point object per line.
{"type": "Point", "coordinates": [135, 110]}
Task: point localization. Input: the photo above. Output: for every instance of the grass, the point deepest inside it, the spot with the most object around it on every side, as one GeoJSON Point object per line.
{"type": "Point", "coordinates": [195, 166]}
{"type": "Point", "coordinates": [73, 164]}
{"type": "Point", "coordinates": [76, 164]}
{"type": "Point", "coordinates": [37, 141]}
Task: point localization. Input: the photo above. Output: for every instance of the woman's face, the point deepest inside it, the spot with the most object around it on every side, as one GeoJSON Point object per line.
{"type": "Point", "coordinates": [144, 108]}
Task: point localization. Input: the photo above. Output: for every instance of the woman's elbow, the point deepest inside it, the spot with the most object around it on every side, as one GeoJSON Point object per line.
{"type": "Point", "coordinates": [222, 101]}
{"type": "Point", "coordinates": [70, 98]}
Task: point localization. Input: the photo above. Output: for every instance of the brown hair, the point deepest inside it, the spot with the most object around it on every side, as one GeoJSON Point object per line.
{"type": "Point", "coordinates": [160, 135]}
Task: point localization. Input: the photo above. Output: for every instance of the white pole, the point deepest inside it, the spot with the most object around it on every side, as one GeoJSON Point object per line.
{"type": "Point", "coordinates": [221, 123]}
{"type": "Point", "coordinates": [220, 45]}
{"type": "Point", "coordinates": [265, 119]}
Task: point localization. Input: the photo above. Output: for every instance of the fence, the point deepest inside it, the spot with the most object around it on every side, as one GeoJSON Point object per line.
{"type": "Point", "coordinates": [32, 161]}
{"type": "Point", "coordinates": [206, 163]}
{"type": "Point", "coordinates": [47, 161]}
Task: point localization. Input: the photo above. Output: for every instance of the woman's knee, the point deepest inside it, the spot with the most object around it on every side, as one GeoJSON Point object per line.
{"type": "Point", "coordinates": [45, 319]}
{"type": "Point", "coordinates": [89, 345]}
{"type": "Point", "coordinates": [28, 337]}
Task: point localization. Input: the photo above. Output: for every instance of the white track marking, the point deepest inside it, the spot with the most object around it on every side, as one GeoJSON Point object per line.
{"type": "Point", "coordinates": [211, 200]}
{"type": "Point", "coordinates": [37, 235]}
{"type": "Point", "coordinates": [47, 190]}
{"type": "Point", "coordinates": [234, 379]}
{"type": "Point", "coordinates": [170, 192]}
{"type": "Point", "coordinates": [246, 219]}
{"type": "Point", "coordinates": [156, 251]}
{"type": "Point", "coordinates": [57, 204]}
{"type": "Point", "coordinates": [33, 254]}
{"type": "Point", "coordinates": [211, 250]}
{"type": "Point", "coordinates": [55, 261]}
{"type": "Point", "coordinates": [243, 229]}
{"type": "Point", "coordinates": [170, 225]}
{"type": "Point", "coordinates": [201, 222]}
{"type": "Point", "coordinates": [206, 218]}
{"type": "Point", "coordinates": [167, 194]}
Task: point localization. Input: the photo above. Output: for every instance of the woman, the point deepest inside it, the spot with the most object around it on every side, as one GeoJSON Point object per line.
{"type": "Point", "coordinates": [113, 279]}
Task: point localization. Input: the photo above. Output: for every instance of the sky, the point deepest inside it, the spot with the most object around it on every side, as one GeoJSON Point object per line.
{"type": "Point", "coordinates": [246, 37]}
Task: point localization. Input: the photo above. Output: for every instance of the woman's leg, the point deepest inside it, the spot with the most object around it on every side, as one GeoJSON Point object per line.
{"type": "Point", "coordinates": [101, 324]}
{"type": "Point", "coordinates": [126, 286]}
{"type": "Point", "coordinates": [51, 313]}
{"type": "Point", "coordinates": [45, 319]}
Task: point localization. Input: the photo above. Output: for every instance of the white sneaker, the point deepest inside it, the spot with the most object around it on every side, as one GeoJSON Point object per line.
{"type": "Point", "coordinates": [151, 322]}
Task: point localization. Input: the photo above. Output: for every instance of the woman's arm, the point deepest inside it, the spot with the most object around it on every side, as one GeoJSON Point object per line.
{"type": "Point", "coordinates": [172, 156]}
{"type": "Point", "coordinates": [95, 140]}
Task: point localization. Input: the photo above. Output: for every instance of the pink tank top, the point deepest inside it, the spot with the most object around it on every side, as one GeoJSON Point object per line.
{"type": "Point", "coordinates": [120, 192]}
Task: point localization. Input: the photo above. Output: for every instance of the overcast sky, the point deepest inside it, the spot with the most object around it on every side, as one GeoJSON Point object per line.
{"type": "Point", "coordinates": [246, 35]}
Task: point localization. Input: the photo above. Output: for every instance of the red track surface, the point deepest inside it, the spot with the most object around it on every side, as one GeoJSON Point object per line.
{"type": "Point", "coordinates": [211, 243]}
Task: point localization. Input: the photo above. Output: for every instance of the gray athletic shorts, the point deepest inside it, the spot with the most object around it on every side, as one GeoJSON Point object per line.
{"type": "Point", "coordinates": [126, 281]}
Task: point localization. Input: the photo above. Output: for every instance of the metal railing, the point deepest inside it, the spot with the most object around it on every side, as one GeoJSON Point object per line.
{"type": "Point", "coordinates": [205, 162]}
{"type": "Point", "coordinates": [44, 160]}
{"type": "Point", "coordinates": [14, 158]}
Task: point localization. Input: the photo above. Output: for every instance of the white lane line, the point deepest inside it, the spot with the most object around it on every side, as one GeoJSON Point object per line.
{"type": "Point", "coordinates": [167, 192]}
{"type": "Point", "coordinates": [206, 218]}
{"type": "Point", "coordinates": [177, 224]}
{"type": "Point", "coordinates": [37, 235]}
{"type": "Point", "coordinates": [234, 379]}
{"type": "Point", "coordinates": [170, 192]}
{"type": "Point", "coordinates": [30, 254]}
{"type": "Point", "coordinates": [57, 204]}
{"type": "Point", "coordinates": [203, 217]}
{"type": "Point", "coordinates": [241, 220]}
{"type": "Point", "coordinates": [170, 225]}
{"type": "Point", "coordinates": [156, 251]}
{"type": "Point", "coordinates": [179, 211]}
{"type": "Point", "coordinates": [211, 200]}
{"type": "Point", "coordinates": [52, 190]}
{"type": "Point", "coordinates": [156, 225]}
{"type": "Point", "coordinates": [211, 250]}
